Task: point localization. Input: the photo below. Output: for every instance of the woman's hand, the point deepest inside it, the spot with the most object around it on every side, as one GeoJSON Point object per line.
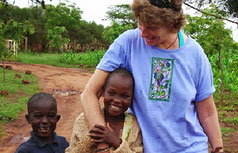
{"type": "Point", "coordinates": [99, 134]}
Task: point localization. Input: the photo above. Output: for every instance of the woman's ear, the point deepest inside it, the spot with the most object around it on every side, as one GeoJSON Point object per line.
{"type": "Point", "coordinates": [58, 117]}
{"type": "Point", "coordinates": [27, 116]}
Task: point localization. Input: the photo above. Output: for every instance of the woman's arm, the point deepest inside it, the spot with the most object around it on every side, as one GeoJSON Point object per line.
{"type": "Point", "coordinates": [208, 118]}
{"type": "Point", "coordinates": [90, 98]}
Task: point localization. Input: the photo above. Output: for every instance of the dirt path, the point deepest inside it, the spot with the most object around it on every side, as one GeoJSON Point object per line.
{"type": "Point", "coordinates": [65, 84]}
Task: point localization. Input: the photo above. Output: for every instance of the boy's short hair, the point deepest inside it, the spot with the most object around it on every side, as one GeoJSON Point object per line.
{"type": "Point", "coordinates": [39, 97]}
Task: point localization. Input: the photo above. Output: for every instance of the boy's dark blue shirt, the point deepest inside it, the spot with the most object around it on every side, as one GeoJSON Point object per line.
{"type": "Point", "coordinates": [35, 145]}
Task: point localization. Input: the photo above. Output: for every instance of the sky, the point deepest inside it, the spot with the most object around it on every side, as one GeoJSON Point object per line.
{"type": "Point", "coordinates": [95, 10]}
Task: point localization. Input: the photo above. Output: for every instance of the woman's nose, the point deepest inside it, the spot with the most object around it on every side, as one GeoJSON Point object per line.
{"type": "Point", "coordinates": [144, 32]}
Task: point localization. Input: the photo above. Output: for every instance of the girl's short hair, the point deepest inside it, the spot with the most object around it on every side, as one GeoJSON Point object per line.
{"type": "Point", "coordinates": [120, 72]}
{"type": "Point", "coordinates": [152, 16]}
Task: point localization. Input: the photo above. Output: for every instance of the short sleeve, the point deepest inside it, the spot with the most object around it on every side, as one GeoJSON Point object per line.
{"type": "Point", "coordinates": [205, 86]}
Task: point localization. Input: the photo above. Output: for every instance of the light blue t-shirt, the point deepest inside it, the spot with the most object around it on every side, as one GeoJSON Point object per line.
{"type": "Point", "coordinates": [168, 83]}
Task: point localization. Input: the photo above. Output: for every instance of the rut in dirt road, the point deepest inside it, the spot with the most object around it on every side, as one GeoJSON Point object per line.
{"type": "Point", "coordinates": [65, 84]}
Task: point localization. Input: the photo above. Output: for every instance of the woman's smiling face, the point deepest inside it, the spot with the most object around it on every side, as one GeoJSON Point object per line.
{"type": "Point", "coordinates": [154, 37]}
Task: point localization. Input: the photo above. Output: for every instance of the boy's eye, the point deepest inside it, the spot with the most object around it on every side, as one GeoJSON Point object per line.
{"type": "Point", "coordinates": [52, 115]}
{"type": "Point", "coordinates": [37, 116]}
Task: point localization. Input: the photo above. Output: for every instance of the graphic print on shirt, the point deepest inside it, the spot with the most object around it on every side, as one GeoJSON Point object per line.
{"type": "Point", "coordinates": [161, 78]}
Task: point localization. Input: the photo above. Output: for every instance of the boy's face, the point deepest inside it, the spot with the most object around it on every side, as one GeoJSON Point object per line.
{"type": "Point", "coordinates": [118, 94]}
{"type": "Point", "coordinates": [43, 119]}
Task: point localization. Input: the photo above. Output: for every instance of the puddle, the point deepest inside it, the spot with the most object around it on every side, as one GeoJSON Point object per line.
{"type": "Point", "coordinates": [57, 92]}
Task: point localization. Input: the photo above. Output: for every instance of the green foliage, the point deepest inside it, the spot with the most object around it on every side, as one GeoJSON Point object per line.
{"type": "Point", "coordinates": [121, 14]}
{"type": "Point", "coordinates": [226, 130]}
{"type": "Point", "coordinates": [230, 6]}
{"type": "Point", "coordinates": [13, 104]}
{"type": "Point", "coordinates": [67, 59]}
{"type": "Point", "coordinates": [77, 31]}
{"type": "Point", "coordinates": [121, 18]}
{"type": "Point", "coordinates": [218, 44]}
{"type": "Point", "coordinates": [90, 59]}
{"type": "Point", "coordinates": [207, 31]}
{"type": "Point", "coordinates": [230, 73]}
{"type": "Point", "coordinates": [112, 32]}
{"type": "Point", "coordinates": [86, 59]}
{"type": "Point", "coordinates": [17, 31]}
{"type": "Point", "coordinates": [56, 41]}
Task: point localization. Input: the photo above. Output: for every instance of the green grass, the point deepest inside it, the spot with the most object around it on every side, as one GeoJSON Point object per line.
{"type": "Point", "coordinates": [66, 59]}
{"type": "Point", "coordinates": [13, 104]}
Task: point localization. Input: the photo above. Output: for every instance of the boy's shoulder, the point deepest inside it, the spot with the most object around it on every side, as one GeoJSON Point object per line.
{"type": "Point", "coordinates": [36, 146]}
{"type": "Point", "coordinates": [62, 140]}
{"type": "Point", "coordinates": [26, 147]}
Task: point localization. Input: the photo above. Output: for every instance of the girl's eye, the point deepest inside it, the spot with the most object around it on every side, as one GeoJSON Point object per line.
{"type": "Point", "coordinates": [111, 93]}
{"type": "Point", "coordinates": [125, 96]}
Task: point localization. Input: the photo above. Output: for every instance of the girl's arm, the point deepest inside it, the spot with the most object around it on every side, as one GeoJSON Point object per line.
{"type": "Point", "coordinates": [208, 118]}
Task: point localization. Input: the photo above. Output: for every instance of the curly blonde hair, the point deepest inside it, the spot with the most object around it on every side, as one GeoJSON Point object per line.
{"type": "Point", "coordinates": [153, 17]}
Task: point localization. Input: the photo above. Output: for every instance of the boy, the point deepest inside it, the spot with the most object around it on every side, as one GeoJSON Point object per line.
{"type": "Point", "coordinates": [122, 132]}
{"type": "Point", "coordinates": [43, 117]}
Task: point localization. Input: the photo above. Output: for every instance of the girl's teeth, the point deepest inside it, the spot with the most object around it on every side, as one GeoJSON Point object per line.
{"type": "Point", "coordinates": [115, 108]}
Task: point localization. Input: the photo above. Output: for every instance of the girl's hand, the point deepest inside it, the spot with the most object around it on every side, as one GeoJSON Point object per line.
{"type": "Point", "coordinates": [100, 134]}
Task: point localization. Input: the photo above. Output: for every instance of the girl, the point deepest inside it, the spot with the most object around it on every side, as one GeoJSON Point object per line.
{"type": "Point", "coordinates": [122, 132]}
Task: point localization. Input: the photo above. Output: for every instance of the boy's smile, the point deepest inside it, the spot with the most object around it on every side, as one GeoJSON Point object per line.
{"type": "Point", "coordinates": [43, 119]}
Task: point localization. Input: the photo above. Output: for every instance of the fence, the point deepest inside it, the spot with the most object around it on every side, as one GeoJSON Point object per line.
{"type": "Point", "coordinates": [11, 45]}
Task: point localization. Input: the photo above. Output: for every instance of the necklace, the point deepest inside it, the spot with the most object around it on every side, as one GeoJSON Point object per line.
{"type": "Point", "coordinates": [173, 42]}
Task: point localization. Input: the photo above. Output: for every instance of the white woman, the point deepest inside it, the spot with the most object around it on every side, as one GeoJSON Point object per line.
{"type": "Point", "coordinates": [173, 96]}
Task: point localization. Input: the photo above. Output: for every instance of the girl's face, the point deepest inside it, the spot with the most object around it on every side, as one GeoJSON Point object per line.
{"type": "Point", "coordinates": [118, 95]}
{"type": "Point", "coordinates": [154, 37]}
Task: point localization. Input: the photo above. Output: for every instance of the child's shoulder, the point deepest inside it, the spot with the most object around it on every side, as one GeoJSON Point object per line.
{"type": "Point", "coordinates": [62, 140]}
{"type": "Point", "coordinates": [131, 119]}
{"type": "Point", "coordinates": [25, 147]}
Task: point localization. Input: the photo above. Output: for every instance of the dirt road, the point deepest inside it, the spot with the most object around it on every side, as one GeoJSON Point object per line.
{"type": "Point", "coordinates": [65, 84]}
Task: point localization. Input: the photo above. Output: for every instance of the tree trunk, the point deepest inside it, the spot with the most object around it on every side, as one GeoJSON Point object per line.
{"type": "Point", "coordinates": [222, 78]}
{"type": "Point", "coordinates": [26, 41]}
{"type": "Point", "coordinates": [4, 74]}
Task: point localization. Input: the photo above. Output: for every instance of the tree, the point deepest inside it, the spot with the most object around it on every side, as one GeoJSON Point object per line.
{"type": "Point", "coordinates": [121, 18]}
{"type": "Point", "coordinates": [121, 14]}
{"type": "Point", "coordinates": [210, 32]}
{"type": "Point", "coordinates": [56, 41]}
{"type": "Point", "coordinates": [4, 52]}
{"type": "Point", "coordinates": [113, 31]}
{"type": "Point", "coordinates": [230, 6]}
